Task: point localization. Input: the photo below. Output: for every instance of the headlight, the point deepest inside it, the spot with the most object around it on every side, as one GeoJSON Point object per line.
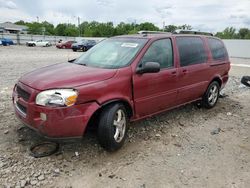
{"type": "Point", "coordinates": [57, 97]}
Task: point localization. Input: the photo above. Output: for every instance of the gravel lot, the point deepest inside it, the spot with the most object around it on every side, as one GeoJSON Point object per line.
{"type": "Point", "coordinates": [186, 147]}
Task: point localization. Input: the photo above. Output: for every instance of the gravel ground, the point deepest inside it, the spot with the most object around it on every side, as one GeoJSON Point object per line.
{"type": "Point", "coordinates": [186, 147]}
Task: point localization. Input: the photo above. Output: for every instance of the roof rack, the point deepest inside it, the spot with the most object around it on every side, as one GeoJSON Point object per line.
{"type": "Point", "coordinates": [152, 32]}
{"type": "Point", "coordinates": [193, 32]}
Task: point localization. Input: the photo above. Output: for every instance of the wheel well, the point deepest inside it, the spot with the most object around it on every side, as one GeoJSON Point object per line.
{"type": "Point", "coordinates": [217, 79]}
{"type": "Point", "coordinates": [93, 121]}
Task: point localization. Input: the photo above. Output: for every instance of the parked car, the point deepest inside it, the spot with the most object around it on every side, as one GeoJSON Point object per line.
{"type": "Point", "coordinates": [39, 43]}
{"type": "Point", "coordinates": [1, 42]}
{"type": "Point", "coordinates": [122, 79]}
{"type": "Point", "coordinates": [83, 45]}
{"type": "Point", "coordinates": [6, 42]}
{"type": "Point", "coordinates": [65, 44]}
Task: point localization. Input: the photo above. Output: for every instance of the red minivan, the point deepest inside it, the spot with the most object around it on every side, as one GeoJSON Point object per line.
{"type": "Point", "coordinates": [122, 79]}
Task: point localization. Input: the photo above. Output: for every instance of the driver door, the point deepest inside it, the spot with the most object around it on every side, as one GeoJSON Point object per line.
{"type": "Point", "coordinates": [155, 92]}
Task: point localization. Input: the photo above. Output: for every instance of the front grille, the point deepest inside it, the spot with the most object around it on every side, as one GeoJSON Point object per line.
{"type": "Point", "coordinates": [22, 108]}
{"type": "Point", "coordinates": [21, 93]}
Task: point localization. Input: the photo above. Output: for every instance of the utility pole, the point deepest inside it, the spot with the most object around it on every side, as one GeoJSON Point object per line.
{"type": "Point", "coordinates": [163, 26]}
{"type": "Point", "coordinates": [78, 18]}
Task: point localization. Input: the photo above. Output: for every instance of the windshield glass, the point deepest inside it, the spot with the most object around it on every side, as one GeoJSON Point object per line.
{"type": "Point", "coordinates": [112, 53]}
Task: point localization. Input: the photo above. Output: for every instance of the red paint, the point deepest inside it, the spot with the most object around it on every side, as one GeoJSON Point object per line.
{"type": "Point", "coordinates": [66, 45]}
{"type": "Point", "coordinates": [146, 94]}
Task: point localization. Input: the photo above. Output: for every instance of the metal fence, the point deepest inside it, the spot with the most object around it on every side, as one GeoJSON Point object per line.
{"type": "Point", "coordinates": [236, 48]}
{"type": "Point", "coordinates": [21, 39]}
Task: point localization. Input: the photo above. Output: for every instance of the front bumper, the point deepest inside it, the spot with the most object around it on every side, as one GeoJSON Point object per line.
{"type": "Point", "coordinates": [61, 122]}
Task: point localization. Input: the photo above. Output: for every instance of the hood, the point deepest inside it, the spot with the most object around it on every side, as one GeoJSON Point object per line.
{"type": "Point", "coordinates": [65, 75]}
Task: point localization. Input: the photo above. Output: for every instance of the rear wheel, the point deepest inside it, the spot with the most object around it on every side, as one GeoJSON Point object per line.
{"type": "Point", "coordinates": [112, 128]}
{"type": "Point", "coordinates": [211, 96]}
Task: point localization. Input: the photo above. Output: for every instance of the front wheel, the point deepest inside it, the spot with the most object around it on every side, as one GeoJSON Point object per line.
{"type": "Point", "coordinates": [112, 128]}
{"type": "Point", "coordinates": [211, 96]}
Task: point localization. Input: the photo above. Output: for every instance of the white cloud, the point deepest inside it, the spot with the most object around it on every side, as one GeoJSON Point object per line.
{"type": "Point", "coordinates": [209, 15]}
{"type": "Point", "coordinates": [7, 4]}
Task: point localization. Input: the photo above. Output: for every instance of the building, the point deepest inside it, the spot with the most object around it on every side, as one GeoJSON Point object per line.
{"type": "Point", "coordinates": [9, 27]}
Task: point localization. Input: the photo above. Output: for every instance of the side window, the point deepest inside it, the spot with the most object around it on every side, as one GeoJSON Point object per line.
{"type": "Point", "coordinates": [217, 48]}
{"type": "Point", "coordinates": [160, 51]}
{"type": "Point", "coordinates": [191, 50]}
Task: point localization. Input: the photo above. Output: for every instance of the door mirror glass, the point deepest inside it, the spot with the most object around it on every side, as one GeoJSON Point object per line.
{"type": "Point", "coordinates": [148, 67]}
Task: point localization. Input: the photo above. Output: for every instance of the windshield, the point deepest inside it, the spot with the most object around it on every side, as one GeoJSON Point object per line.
{"type": "Point", "coordinates": [112, 53]}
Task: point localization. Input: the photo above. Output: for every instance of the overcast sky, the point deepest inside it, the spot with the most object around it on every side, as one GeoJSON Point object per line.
{"type": "Point", "coordinates": [206, 15]}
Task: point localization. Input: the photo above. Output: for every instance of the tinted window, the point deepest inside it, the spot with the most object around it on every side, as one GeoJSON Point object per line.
{"type": "Point", "coordinates": [191, 50]}
{"type": "Point", "coordinates": [217, 49]}
{"type": "Point", "coordinates": [160, 51]}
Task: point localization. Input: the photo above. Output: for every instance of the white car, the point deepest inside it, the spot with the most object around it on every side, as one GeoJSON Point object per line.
{"type": "Point", "coordinates": [39, 43]}
{"type": "Point", "coordinates": [0, 42]}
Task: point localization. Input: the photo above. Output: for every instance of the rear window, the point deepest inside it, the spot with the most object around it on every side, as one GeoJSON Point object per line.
{"type": "Point", "coordinates": [191, 50]}
{"type": "Point", "coordinates": [217, 48]}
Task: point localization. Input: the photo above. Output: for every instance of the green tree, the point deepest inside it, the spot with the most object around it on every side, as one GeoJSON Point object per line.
{"type": "Point", "coordinates": [49, 28]}
{"type": "Point", "coordinates": [185, 27]}
{"type": "Point", "coordinates": [71, 30]}
{"type": "Point", "coordinates": [147, 26]}
{"type": "Point", "coordinates": [170, 28]}
{"type": "Point", "coordinates": [228, 33]}
{"type": "Point", "coordinates": [243, 33]}
{"type": "Point", "coordinates": [60, 29]}
{"type": "Point", "coordinates": [35, 28]}
{"type": "Point", "coordinates": [20, 22]}
{"type": "Point", "coordinates": [123, 28]}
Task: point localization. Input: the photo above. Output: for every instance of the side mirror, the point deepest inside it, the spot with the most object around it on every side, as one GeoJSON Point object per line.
{"type": "Point", "coordinates": [149, 67]}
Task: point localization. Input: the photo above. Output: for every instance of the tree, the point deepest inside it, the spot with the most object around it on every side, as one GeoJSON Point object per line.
{"type": "Point", "coordinates": [35, 28]}
{"type": "Point", "coordinates": [20, 22]}
{"type": "Point", "coordinates": [243, 33]}
{"type": "Point", "coordinates": [49, 28]}
{"type": "Point", "coordinates": [71, 30]}
{"type": "Point", "coordinates": [170, 28]}
{"type": "Point", "coordinates": [60, 29]}
{"type": "Point", "coordinates": [147, 26]}
{"type": "Point", "coordinates": [123, 28]}
{"type": "Point", "coordinates": [185, 27]}
{"type": "Point", "coordinates": [228, 33]}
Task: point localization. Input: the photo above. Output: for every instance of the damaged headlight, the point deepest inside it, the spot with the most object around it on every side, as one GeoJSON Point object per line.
{"type": "Point", "coordinates": [57, 97]}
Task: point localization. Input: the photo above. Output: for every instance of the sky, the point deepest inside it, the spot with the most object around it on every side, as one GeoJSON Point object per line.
{"type": "Point", "coordinates": [204, 15]}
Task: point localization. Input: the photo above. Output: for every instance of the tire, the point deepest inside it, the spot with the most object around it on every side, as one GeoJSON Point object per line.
{"type": "Point", "coordinates": [74, 50]}
{"type": "Point", "coordinates": [110, 136]}
{"type": "Point", "coordinates": [84, 49]}
{"type": "Point", "coordinates": [33, 45]}
{"type": "Point", "coordinates": [246, 80]}
{"type": "Point", "coordinates": [211, 96]}
{"type": "Point", "coordinates": [47, 45]}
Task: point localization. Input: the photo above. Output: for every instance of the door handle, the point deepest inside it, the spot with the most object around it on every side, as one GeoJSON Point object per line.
{"type": "Point", "coordinates": [184, 71]}
{"type": "Point", "coordinates": [173, 73]}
